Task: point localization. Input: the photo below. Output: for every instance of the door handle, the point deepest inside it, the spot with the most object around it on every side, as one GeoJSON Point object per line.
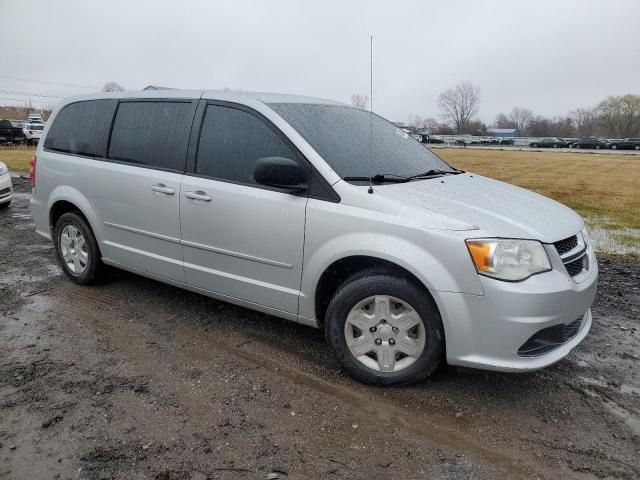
{"type": "Point", "coordinates": [198, 195]}
{"type": "Point", "coordinates": [162, 188]}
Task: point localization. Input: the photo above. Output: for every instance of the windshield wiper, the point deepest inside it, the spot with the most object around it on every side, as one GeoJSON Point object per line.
{"type": "Point", "coordinates": [435, 173]}
{"type": "Point", "coordinates": [379, 178]}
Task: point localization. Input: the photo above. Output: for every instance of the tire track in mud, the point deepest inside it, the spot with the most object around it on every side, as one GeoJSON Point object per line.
{"type": "Point", "coordinates": [200, 348]}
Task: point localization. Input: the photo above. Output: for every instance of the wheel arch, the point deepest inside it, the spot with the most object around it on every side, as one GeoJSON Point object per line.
{"type": "Point", "coordinates": [335, 274]}
{"type": "Point", "coordinates": [67, 199]}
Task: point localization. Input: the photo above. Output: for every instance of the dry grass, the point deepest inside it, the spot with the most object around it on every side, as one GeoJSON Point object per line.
{"type": "Point", "coordinates": [17, 158]}
{"type": "Point", "coordinates": [598, 186]}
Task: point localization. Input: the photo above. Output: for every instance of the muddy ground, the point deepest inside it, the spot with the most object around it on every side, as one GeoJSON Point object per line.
{"type": "Point", "coordinates": [135, 379]}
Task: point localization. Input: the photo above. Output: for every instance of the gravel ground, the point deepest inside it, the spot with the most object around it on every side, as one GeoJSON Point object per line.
{"type": "Point", "coordinates": [135, 379]}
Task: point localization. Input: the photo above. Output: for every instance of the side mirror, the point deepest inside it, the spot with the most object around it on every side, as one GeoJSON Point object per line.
{"type": "Point", "coordinates": [280, 172]}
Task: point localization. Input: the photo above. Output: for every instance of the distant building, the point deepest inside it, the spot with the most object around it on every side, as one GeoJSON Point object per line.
{"type": "Point", "coordinates": [156, 87]}
{"type": "Point", "coordinates": [502, 132]}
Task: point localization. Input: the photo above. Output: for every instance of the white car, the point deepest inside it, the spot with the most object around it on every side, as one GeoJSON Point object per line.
{"type": "Point", "coordinates": [6, 187]}
{"type": "Point", "coordinates": [32, 132]}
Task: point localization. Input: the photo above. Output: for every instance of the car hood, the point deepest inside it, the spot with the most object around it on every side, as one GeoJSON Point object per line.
{"type": "Point", "coordinates": [497, 208]}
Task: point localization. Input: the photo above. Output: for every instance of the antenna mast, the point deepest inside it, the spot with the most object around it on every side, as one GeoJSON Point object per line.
{"type": "Point", "coordinates": [370, 113]}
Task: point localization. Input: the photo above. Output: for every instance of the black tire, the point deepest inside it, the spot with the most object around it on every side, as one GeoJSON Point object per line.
{"type": "Point", "coordinates": [534, 145]}
{"type": "Point", "coordinates": [384, 281]}
{"type": "Point", "coordinates": [5, 205]}
{"type": "Point", "coordinates": [94, 271]}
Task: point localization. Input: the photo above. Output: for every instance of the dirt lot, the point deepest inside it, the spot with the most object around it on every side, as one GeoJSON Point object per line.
{"type": "Point", "coordinates": [135, 379]}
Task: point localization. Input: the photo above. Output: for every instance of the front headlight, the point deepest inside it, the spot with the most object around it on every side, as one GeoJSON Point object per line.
{"type": "Point", "coordinates": [3, 169]}
{"type": "Point", "coordinates": [511, 260]}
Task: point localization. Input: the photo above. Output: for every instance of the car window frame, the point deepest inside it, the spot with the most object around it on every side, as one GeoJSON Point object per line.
{"type": "Point", "coordinates": [318, 189]}
{"type": "Point", "coordinates": [192, 112]}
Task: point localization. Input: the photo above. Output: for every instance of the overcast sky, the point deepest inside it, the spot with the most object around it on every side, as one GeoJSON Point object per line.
{"type": "Point", "coordinates": [549, 56]}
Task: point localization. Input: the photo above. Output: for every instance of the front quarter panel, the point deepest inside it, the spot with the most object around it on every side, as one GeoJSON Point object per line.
{"type": "Point", "coordinates": [437, 257]}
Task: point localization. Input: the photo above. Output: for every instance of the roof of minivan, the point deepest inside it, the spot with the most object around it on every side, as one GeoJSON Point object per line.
{"type": "Point", "coordinates": [228, 95]}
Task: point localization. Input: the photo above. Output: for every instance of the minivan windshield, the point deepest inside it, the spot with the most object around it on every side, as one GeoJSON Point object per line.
{"type": "Point", "coordinates": [357, 143]}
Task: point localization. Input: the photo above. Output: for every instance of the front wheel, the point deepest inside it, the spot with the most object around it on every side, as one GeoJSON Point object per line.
{"type": "Point", "coordinates": [614, 147]}
{"type": "Point", "coordinates": [5, 205]}
{"type": "Point", "coordinates": [637, 147]}
{"type": "Point", "coordinates": [77, 249]}
{"type": "Point", "coordinates": [384, 329]}
{"type": "Point", "coordinates": [597, 147]}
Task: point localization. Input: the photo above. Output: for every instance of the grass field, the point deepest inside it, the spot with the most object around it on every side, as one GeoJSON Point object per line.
{"type": "Point", "coordinates": [603, 188]}
{"type": "Point", "coordinates": [16, 158]}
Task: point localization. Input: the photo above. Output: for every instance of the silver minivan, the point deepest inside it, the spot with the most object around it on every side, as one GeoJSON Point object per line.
{"type": "Point", "coordinates": [320, 213]}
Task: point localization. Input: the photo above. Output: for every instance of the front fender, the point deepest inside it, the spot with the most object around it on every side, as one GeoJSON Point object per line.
{"type": "Point", "coordinates": [439, 260]}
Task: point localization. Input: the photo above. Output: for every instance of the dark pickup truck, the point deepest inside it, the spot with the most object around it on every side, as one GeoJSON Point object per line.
{"type": "Point", "coordinates": [10, 133]}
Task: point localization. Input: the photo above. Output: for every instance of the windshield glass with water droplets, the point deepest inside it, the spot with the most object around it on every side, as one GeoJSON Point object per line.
{"type": "Point", "coordinates": [356, 143]}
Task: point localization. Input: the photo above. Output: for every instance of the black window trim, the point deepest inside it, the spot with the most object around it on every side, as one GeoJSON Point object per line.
{"type": "Point", "coordinates": [321, 190]}
{"type": "Point", "coordinates": [107, 158]}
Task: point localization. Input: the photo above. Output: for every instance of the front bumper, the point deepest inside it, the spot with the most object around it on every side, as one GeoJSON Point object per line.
{"type": "Point", "coordinates": [487, 331]}
{"type": "Point", "coordinates": [6, 188]}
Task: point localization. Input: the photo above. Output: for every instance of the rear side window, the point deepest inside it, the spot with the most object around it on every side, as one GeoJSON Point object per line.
{"type": "Point", "coordinates": [81, 128]}
{"type": "Point", "coordinates": [232, 141]}
{"type": "Point", "coordinates": [153, 134]}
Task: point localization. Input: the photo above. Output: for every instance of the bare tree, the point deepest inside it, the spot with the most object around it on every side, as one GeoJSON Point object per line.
{"type": "Point", "coordinates": [620, 115]}
{"type": "Point", "coordinates": [583, 120]}
{"type": "Point", "coordinates": [521, 118]}
{"type": "Point", "coordinates": [112, 87]}
{"type": "Point", "coordinates": [458, 105]}
{"type": "Point", "coordinates": [360, 101]}
{"type": "Point", "coordinates": [502, 121]}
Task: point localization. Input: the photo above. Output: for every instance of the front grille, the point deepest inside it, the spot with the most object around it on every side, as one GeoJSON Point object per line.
{"type": "Point", "coordinates": [567, 250]}
{"type": "Point", "coordinates": [4, 191]}
{"type": "Point", "coordinates": [566, 245]}
{"type": "Point", "coordinates": [575, 267]}
{"type": "Point", "coordinates": [549, 339]}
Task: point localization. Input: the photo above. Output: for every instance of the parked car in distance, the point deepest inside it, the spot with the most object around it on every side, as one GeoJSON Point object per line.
{"type": "Point", "coordinates": [505, 141]}
{"type": "Point", "coordinates": [553, 142]}
{"type": "Point", "coordinates": [10, 133]}
{"type": "Point", "coordinates": [431, 139]}
{"type": "Point", "coordinates": [596, 143]}
{"type": "Point", "coordinates": [625, 144]}
{"type": "Point", "coordinates": [276, 203]}
{"type": "Point", "coordinates": [32, 132]}
{"type": "Point", "coordinates": [6, 186]}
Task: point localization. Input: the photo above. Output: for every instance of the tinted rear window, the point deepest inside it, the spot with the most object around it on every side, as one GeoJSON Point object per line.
{"type": "Point", "coordinates": [35, 127]}
{"type": "Point", "coordinates": [154, 134]}
{"type": "Point", "coordinates": [81, 128]}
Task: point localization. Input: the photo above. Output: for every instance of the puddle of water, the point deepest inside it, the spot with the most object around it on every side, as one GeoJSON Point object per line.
{"type": "Point", "coordinates": [626, 388]}
{"type": "Point", "coordinates": [632, 421]}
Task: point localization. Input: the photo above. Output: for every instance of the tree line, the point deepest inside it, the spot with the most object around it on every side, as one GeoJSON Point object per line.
{"type": "Point", "coordinates": [613, 117]}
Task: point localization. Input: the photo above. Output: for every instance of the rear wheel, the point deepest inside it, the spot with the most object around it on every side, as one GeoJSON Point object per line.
{"type": "Point", "coordinates": [534, 145]}
{"type": "Point", "coordinates": [384, 329]}
{"type": "Point", "coordinates": [597, 147]}
{"type": "Point", "coordinates": [5, 205]}
{"type": "Point", "coordinates": [637, 147]}
{"type": "Point", "coordinates": [555, 145]}
{"type": "Point", "coordinates": [614, 147]}
{"type": "Point", "coordinates": [77, 249]}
